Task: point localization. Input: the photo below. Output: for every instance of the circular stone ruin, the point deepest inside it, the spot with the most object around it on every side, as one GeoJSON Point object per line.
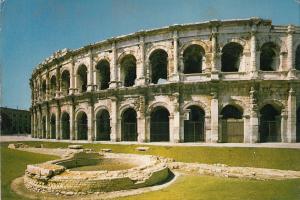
{"type": "Point", "coordinates": [64, 176]}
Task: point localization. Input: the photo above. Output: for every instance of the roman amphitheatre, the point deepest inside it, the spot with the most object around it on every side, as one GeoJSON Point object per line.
{"type": "Point", "coordinates": [192, 111]}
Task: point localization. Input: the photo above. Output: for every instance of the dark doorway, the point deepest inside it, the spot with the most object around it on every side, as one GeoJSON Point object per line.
{"type": "Point", "coordinates": [194, 126]}
{"type": "Point", "coordinates": [232, 125]}
{"type": "Point", "coordinates": [65, 125]}
{"type": "Point", "coordinates": [129, 125]}
{"type": "Point", "coordinates": [269, 127]}
{"type": "Point", "coordinates": [53, 126]}
{"type": "Point", "coordinates": [44, 127]}
{"type": "Point", "coordinates": [82, 126]}
{"type": "Point", "coordinates": [159, 125]}
{"type": "Point", "coordinates": [298, 126]}
{"type": "Point", "coordinates": [297, 58]}
{"type": "Point", "coordinates": [53, 86]}
{"type": "Point", "coordinates": [103, 125]}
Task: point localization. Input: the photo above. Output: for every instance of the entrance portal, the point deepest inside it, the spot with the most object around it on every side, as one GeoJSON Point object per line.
{"type": "Point", "coordinates": [159, 125]}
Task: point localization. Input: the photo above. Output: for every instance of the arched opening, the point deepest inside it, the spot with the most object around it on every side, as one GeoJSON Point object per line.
{"type": "Point", "coordinates": [129, 125]}
{"type": "Point", "coordinates": [44, 89]}
{"type": "Point", "coordinates": [44, 127]}
{"type": "Point", "coordinates": [159, 66]}
{"type": "Point", "coordinates": [65, 82]}
{"type": "Point", "coordinates": [52, 86]}
{"type": "Point", "coordinates": [194, 125]}
{"type": "Point", "coordinates": [82, 78]}
{"type": "Point", "coordinates": [159, 125]}
{"type": "Point", "coordinates": [269, 57]}
{"type": "Point", "coordinates": [103, 125]}
{"type": "Point", "coordinates": [82, 126]}
{"type": "Point", "coordinates": [128, 70]}
{"type": "Point", "coordinates": [269, 127]}
{"type": "Point", "coordinates": [192, 59]}
{"type": "Point", "coordinates": [232, 124]}
{"type": "Point", "coordinates": [103, 74]}
{"type": "Point", "coordinates": [297, 58]}
{"type": "Point", "coordinates": [65, 125]}
{"type": "Point", "coordinates": [53, 127]}
{"type": "Point", "coordinates": [231, 57]}
{"type": "Point", "coordinates": [298, 126]}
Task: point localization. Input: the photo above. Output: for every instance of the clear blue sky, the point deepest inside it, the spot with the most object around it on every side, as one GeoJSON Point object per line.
{"type": "Point", "coordinates": [32, 30]}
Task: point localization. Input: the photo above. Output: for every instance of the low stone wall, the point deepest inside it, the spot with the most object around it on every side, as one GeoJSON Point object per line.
{"type": "Point", "coordinates": [54, 177]}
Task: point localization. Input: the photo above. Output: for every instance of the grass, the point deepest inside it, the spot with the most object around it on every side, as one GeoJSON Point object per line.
{"type": "Point", "coordinates": [13, 164]}
{"type": "Point", "coordinates": [216, 188]}
{"type": "Point", "coordinates": [275, 158]}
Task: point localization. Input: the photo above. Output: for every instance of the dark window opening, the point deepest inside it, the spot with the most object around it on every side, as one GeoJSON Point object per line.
{"type": "Point", "coordinates": [128, 70]}
{"type": "Point", "coordinates": [44, 88]}
{"type": "Point", "coordinates": [231, 57]}
{"type": "Point", "coordinates": [65, 82]}
{"type": "Point", "coordinates": [159, 65]}
{"type": "Point", "coordinates": [44, 127]}
{"type": "Point", "coordinates": [103, 74]}
{"type": "Point", "coordinates": [192, 59]}
{"type": "Point", "coordinates": [297, 58]}
{"type": "Point", "coordinates": [298, 126]}
{"type": "Point", "coordinates": [269, 59]}
{"type": "Point", "coordinates": [82, 78]}
{"type": "Point", "coordinates": [52, 86]}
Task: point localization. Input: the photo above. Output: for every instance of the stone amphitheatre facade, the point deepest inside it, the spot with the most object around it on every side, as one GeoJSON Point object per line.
{"type": "Point", "coordinates": [217, 81]}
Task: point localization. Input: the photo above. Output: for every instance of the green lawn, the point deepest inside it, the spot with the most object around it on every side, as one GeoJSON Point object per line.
{"type": "Point", "coordinates": [13, 164]}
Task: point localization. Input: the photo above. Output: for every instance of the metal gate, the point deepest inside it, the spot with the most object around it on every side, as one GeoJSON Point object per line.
{"type": "Point", "coordinates": [298, 131]}
{"type": "Point", "coordinates": [129, 131]}
{"type": "Point", "coordinates": [233, 130]}
{"type": "Point", "coordinates": [82, 131]}
{"type": "Point", "coordinates": [193, 131]}
{"type": "Point", "coordinates": [104, 132]}
{"type": "Point", "coordinates": [269, 131]}
{"type": "Point", "coordinates": [159, 131]}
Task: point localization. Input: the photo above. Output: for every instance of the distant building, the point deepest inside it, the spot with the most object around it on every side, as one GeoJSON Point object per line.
{"type": "Point", "coordinates": [14, 121]}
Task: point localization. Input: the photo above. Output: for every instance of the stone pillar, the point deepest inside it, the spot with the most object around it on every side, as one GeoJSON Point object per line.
{"type": "Point", "coordinates": [175, 119]}
{"type": "Point", "coordinates": [290, 55]}
{"type": "Point", "coordinates": [175, 75]}
{"type": "Point", "coordinates": [181, 131]}
{"type": "Point", "coordinates": [253, 121]}
{"type": "Point", "coordinates": [57, 81]}
{"type": "Point", "coordinates": [141, 63]}
{"type": "Point", "coordinates": [57, 124]}
{"type": "Point", "coordinates": [141, 123]}
{"type": "Point", "coordinates": [253, 52]}
{"type": "Point", "coordinates": [214, 117]}
{"type": "Point", "coordinates": [247, 134]}
{"type": "Point", "coordinates": [147, 129]}
{"type": "Point", "coordinates": [114, 119]}
{"type": "Point", "coordinates": [90, 80]}
{"type": "Point", "coordinates": [40, 133]}
{"type": "Point", "coordinates": [72, 77]}
{"type": "Point", "coordinates": [72, 123]}
{"type": "Point", "coordinates": [207, 128]}
{"type": "Point", "coordinates": [113, 67]}
{"type": "Point", "coordinates": [283, 126]}
{"type": "Point", "coordinates": [90, 116]}
{"type": "Point", "coordinates": [215, 66]}
{"type": "Point", "coordinates": [291, 118]}
{"type": "Point", "coordinates": [47, 95]}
